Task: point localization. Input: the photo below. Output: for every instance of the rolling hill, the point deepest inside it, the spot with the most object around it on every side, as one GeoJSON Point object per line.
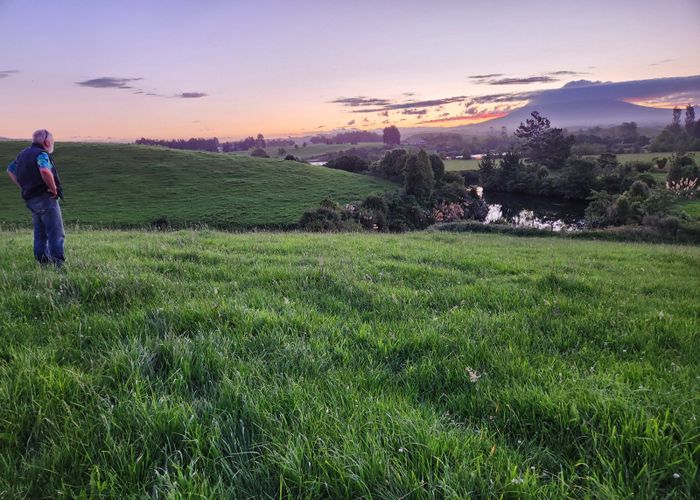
{"type": "Point", "coordinates": [119, 185]}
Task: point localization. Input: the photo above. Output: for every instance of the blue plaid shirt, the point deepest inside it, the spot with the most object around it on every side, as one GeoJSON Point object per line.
{"type": "Point", "coordinates": [42, 160]}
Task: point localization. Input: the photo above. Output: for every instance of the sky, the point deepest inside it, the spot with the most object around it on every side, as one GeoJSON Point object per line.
{"type": "Point", "coordinates": [167, 69]}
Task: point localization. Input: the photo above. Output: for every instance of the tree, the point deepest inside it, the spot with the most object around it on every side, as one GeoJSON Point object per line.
{"type": "Point", "coordinates": [438, 167]}
{"type": "Point", "coordinates": [281, 152]}
{"type": "Point", "coordinates": [488, 174]}
{"type": "Point", "coordinates": [543, 144]}
{"type": "Point", "coordinates": [690, 119]}
{"type": "Point", "coordinates": [391, 136]}
{"type": "Point", "coordinates": [578, 179]}
{"type": "Point", "coordinates": [392, 164]}
{"type": "Point", "coordinates": [260, 141]}
{"type": "Point", "coordinates": [418, 176]}
{"type": "Point", "coordinates": [676, 120]}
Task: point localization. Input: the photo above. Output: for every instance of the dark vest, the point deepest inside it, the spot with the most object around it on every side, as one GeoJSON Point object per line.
{"type": "Point", "coordinates": [28, 175]}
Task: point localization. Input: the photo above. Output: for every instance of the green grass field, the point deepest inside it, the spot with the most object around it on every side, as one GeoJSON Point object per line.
{"type": "Point", "coordinates": [691, 207]}
{"type": "Point", "coordinates": [456, 165]}
{"type": "Point", "coordinates": [127, 186]}
{"type": "Point", "coordinates": [343, 366]}
{"type": "Point", "coordinates": [312, 151]}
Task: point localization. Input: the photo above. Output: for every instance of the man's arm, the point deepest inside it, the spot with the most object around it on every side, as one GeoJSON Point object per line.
{"type": "Point", "coordinates": [11, 173]}
{"type": "Point", "coordinates": [44, 164]}
{"type": "Point", "coordinates": [49, 180]}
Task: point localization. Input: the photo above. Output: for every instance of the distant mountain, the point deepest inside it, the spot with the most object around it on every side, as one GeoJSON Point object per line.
{"type": "Point", "coordinates": [584, 103]}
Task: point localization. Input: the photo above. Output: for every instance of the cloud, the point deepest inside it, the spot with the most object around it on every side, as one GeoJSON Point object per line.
{"type": "Point", "coordinates": [480, 117]}
{"type": "Point", "coordinates": [431, 103]}
{"type": "Point", "coordinates": [521, 81]}
{"type": "Point", "coordinates": [565, 72]}
{"type": "Point", "coordinates": [360, 101]}
{"type": "Point", "coordinates": [365, 120]}
{"type": "Point", "coordinates": [351, 123]}
{"type": "Point", "coordinates": [444, 115]}
{"type": "Point", "coordinates": [408, 94]}
{"type": "Point", "coordinates": [417, 112]}
{"type": "Point", "coordinates": [191, 95]}
{"type": "Point", "coordinates": [109, 83]}
{"type": "Point", "coordinates": [488, 75]}
{"type": "Point", "coordinates": [7, 73]}
{"type": "Point", "coordinates": [504, 97]}
{"type": "Point", "coordinates": [663, 61]}
{"type": "Point", "coordinates": [384, 114]}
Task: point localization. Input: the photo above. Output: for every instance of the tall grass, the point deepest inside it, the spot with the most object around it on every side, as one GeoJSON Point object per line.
{"type": "Point", "coordinates": [294, 365]}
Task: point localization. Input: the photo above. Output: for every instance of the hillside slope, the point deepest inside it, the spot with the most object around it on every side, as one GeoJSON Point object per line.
{"type": "Point", "coordinates": [122, 185]}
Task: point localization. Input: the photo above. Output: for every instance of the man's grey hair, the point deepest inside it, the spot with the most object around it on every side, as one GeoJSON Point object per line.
{"type": "Point", "coordinates": [41, 135]}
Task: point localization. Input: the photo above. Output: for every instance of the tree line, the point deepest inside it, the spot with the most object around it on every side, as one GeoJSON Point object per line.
{"type": "Point", "coordinates": [194, 143]}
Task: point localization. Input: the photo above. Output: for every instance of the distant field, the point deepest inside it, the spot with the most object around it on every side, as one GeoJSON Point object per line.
{"type": "Point", "coordinates": [313, 150]}
{"type": "Point", "coordinates": [456, 165]}
{"type": "Point", "coordinates": [206, 365]}
{"type": "Point", "coordinates": [691, 207]}
{"type": "Point", "coordinates": [474, 164]}
{"type": "Point", "coordinates": [120, 185]}
{"type": "Point", "coordinates": [649, 156]}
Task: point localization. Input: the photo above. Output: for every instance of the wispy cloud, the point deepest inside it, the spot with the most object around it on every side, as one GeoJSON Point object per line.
{"type": "Point", "coordinates": [522, 81]}
{"type": "Point", "coordinates": [483, 77]}
{"type": "Point", "coordinates": [503, 79]}
{"type": "Point", "coordinates": [477, 117]}
{"type": "Point", "coordinates": [565, 72]}
{"type": "Point", "coordinates": [191, 95]}
{"type": "Point", "coordinates": [360, 101]}
{"type": "Point", "coordinates": [394, 106]}
{"type": "Point", "coordinates": [108, 82]}
{"type": "Point", "coordinates": [417, 112]}
{"type": "Point", "coordinates": [351, 123]}
{"type": "Point", "coordinates": [7, 73]}
{"type": "Point", "coordinates": [497, 98]}
{"type": "Point", "coordinates": [663, 61]}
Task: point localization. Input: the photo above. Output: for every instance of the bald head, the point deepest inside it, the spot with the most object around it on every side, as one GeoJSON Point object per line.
{"type": "Point", "coordinates": [45, 138]}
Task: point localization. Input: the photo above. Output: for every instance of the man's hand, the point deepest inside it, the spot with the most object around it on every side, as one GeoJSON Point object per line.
{"type": "Point", "coordinates": [14, 179]}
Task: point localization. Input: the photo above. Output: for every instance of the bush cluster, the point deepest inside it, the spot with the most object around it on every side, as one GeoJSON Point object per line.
{"type": "Point", "coordinates": [429, 195]}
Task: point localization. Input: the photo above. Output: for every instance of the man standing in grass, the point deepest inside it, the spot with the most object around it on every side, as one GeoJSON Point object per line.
{"type": "Point", "coordinates": [35, 174]}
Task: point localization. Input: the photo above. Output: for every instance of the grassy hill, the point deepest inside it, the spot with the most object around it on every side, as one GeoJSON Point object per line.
{"type": "Point", "coordinates": [345, 366]}
{"type": "Point", "coordinates": [120, 185]}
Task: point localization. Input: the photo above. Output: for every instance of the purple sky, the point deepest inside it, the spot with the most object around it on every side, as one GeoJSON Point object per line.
{"type": "Point", "coordinates": [85, 69]}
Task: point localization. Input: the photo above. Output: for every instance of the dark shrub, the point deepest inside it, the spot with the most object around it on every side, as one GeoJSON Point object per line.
{"type": "Point", "coordinates": [259, 153]}
{"type": "Point", "coordinates": [326, 219]}
{"type": "Point", "coordinates": [349, 164]}
{"type": "Point", "coordinates": [375, 203]}
{"type": "Point", "coordinates": [452, 178]}
{"type": "Point", "coordinates": [404, 213]}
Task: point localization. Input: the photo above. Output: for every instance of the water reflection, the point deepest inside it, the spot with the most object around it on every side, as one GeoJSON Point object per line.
{"type": "Point", "coordinates": [538, 212]}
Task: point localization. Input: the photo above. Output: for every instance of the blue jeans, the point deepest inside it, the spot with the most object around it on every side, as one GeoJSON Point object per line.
{"type": "Point", "coordinates": [48, 229]}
